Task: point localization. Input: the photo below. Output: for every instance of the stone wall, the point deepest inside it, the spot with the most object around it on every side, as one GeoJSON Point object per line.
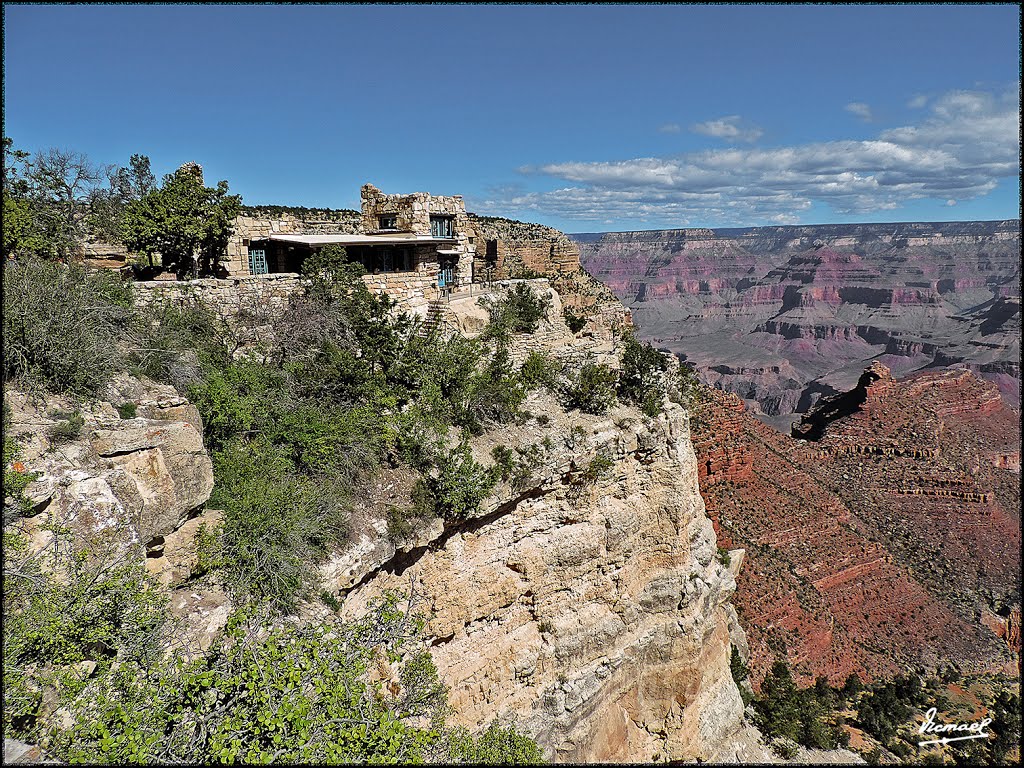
{"type": "Point", "coordinates": [516, 249]}
{"type": "Point", "coordinates": [226, 298]}
{"type": "Point", "coordinates": [265, 297]}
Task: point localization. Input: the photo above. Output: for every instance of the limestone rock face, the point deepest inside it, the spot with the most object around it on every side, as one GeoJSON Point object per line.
{"type": "Point", "coordinates": [595, 613]}
{"type": "Point", "coordinates": [142, 476]}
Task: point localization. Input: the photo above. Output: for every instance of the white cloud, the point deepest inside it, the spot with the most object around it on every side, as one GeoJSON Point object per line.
{"type": "Point", "coordinates": [918, 102]}
{"type": "Point", "coordinates": [965, 143]}
{"type": "Point", "coordinates": [860, 109]}
{"type": "Point", "coordinates": [669, 128]}
{"type": "Point", "coordinates": [728, 128]}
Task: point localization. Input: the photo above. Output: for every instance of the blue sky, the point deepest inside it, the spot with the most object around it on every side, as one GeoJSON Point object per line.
{"type": "Point", "coordinates": [587, 118]}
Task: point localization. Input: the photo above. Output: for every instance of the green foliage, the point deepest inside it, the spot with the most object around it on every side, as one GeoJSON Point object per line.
{"type": "Point", "coordinates": [852, 686]}
{"type": "Point", "coordinates": [84, 606]}
{"type": "Point", "coordinates": [16, 476]}
{"type": "Point", "coordinates": [402, 523]}
{"type": "Point", "coordinates": [539, 370]}
{"type": "Point", "coordinates": [684, 388]}
{"type": "Point", "coordinates": [62, 326]}
{"type": "Point", "coordinates": [519, 311]}
{"type": "Point", "coordinates": [492, 395]}
{"type": "Point", "coordinates": [574, 321]}
{"type": "Point", "coordinates": [187, 223]}
{"type": "Point", "coordinates": [519, 467]}
{"type": "Point", "coordinates": [278, 522]}
{"type": "Point", "coordinates": [178, 342]}
{"type": "Point", "coordinates": [590, 388]}
{"type": "Point", "coordinates": [641, 380]}
{"type": "Point", "coordinates": [461, 483]}
{"type": "Point", "coordinates": [209, 549]}
{"type": "Point", "coordinates": [887, 705]}
{"type": "Point", "coordinates": [287, 695]}
{"type": "Point", "coordinates": [804, 716]}
{"type": "Point", "coordinates": [599, 467]}
{"type": "Point", "coordinates": [499, 745]}
{"type": "Point", "coordinates": [723, 556]}
{"type": "Point", "coordinates": [68, 429]}
{"type": "Point", "coordinates": [740, 675]}
{"type": "Point", "coordinates": [237, 400]}
{"type": "Point", "coordinates": [127, 410]}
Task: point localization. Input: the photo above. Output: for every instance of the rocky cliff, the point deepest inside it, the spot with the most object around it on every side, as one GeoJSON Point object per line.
{"type": "Point", "coordinates": [885, 533]}
{"type": "Point", "coordinates": [783, 315]}
{"type": "Point", "coordinates": [584, 599]}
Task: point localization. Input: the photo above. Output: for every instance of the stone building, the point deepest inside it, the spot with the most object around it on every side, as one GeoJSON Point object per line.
{"type": "Point", "coordinates": [417, 242]}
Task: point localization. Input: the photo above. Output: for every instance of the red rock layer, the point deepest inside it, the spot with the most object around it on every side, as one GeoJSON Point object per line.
{"type": "Point", "coordinates": [878, 546]}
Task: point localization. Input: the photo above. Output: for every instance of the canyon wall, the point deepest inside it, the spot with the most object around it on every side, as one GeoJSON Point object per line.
{"type": "Point", "coordinates": [783, 315]}
{"type": "Point", "coordinates": [884, 535]}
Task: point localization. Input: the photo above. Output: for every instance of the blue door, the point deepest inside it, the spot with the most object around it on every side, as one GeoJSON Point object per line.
{"type": "Point", "coordinates": [257, 261]}
{"type": "Point", "coordinates": [446, 276]}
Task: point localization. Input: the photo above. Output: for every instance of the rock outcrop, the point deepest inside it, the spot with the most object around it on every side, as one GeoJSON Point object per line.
{"type": "Point", "coordinates": [594, 612]}
{"type": "Point", "coordinates": [143, 475]}
{"type": "Point", "coordinates": [585, 599]}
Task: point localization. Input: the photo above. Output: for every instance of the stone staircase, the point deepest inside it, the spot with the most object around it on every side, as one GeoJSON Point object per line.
{"type": "Point", "coordinates": [434, 319]}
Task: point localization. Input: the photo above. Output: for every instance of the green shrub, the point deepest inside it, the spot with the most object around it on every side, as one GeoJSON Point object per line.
{"type": "Point", "coordinates": [342, 444]}
{"type": "Point", "coordinates": [403, 523]}
{"type": "Point", "coordinates": [641, 380]}
{"type": "Point", "coordinates": [278, 523]}
{"type": "Point", "coordinates": [209, 549]}
{"type": "Point", "coordinates": [539, 370]}
{"type": "Point", "coordinates": [63, 326]}
{"type": "Point", "coordinates": [597, 469]}
{"type": "Point", "coordinates": [330, 601]}
{"type": "Point", "coordinates": [461, 483]}
{"type": "Point", "coordinates": [291, 695]}
{"type": "Point", "coordinates": [590, 389]}
{"type": "Point", "coordinates": [502, 745]}
{"type": "Point", "coordinates": [178, 343]}
{"type": "Point", "coordinates": [684, 388]}
{"type": "Point", "coordinates": [238, 400]}
{"type": "Point", "coordinates": [724, 557]}
{"type": "Point", "coordinates": [490, 396]}
{"type": "Point", "coordinates": [102, 606]}
{"type": "Point", "coordinates": [68, 429]}
{"type": "Point", "coordinates": [504, 460]}
{"type": "Point", "coordinates": [16, 476]}
{"type": "Point", "coordinates": [127, 410]}
{"type": "Point", "coordinates": [519, 311]}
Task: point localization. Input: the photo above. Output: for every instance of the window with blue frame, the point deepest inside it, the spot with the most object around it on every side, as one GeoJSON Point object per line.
{"type": "Point", "coordinates": [442, 226]}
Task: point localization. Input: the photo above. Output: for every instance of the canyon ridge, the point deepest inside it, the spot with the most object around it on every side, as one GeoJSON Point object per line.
{"type": "Point", "coordinates": [783, 315]}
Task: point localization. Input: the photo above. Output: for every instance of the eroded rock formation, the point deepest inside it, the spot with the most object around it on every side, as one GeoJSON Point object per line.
{"type": "Point", "coordinates": [887, 540]}
{"type": "Point", "coordinates": [585, 600]}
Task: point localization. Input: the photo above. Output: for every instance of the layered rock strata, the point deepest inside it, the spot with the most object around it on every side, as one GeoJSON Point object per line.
{"type": "Point", "coordinates": [892, 539]}
{"type": "Point", "coordinates": [783, 315]}
{"type": "Point", "coordinates": [593, 611]}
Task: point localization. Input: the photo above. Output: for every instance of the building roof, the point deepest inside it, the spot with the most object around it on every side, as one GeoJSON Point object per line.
{"type": "Point", "coordinates": [399, 239]}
